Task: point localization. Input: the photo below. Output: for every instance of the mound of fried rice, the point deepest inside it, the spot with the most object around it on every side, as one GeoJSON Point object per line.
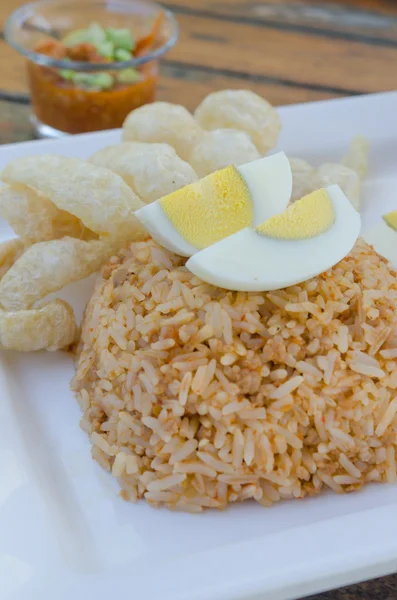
{"type": "Point", "coordinates": [196, 397]}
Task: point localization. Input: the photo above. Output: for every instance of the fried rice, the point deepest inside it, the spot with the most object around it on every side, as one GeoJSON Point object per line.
{"type": "Point", "coordinates": [195, 397]}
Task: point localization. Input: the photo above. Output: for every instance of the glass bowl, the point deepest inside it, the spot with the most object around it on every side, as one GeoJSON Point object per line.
{"type": "Point", "coordinates": [65, 106]}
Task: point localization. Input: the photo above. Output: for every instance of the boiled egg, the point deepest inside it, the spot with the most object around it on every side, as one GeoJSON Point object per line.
{"type": "Point", "coordinates": [219, 205]}
{"type": "Point", "coordinates": [309, 237]}
{"type": "Point", "coordinates": [383, 237]}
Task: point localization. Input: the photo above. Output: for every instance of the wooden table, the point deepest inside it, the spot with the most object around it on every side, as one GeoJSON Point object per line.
{"type": "Point", "coordinates": [292, 51]}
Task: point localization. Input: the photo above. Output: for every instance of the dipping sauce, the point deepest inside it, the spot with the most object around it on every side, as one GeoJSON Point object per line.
{"type": "Point", "coordinates": [73, 101]}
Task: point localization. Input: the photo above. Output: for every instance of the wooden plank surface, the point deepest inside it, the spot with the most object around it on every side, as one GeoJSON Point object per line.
{"type": "Point", "coordinates": [291, 51]}
{"type": "Point", "coordinates": [179, 82]}
{"type": "Point", "coordinates": [374, 20]}
{"type": "Point", "coordinates": [290, 57]}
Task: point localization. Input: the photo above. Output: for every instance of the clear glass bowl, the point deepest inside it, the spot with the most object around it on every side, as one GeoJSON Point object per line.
{"type": "Point", "coordinates": [60, 107]}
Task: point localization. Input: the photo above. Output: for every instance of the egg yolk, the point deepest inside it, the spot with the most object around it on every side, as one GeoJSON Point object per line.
{"type": "Point", "coordinates": [211, 209]}
{"type": "Point", "coordinates": [311, 215]}
{"type": "Point", "coordinates": [391, 219]}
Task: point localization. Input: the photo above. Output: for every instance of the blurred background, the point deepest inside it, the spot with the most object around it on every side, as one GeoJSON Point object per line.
{"type": "Point", "coordinates": [292, 51]}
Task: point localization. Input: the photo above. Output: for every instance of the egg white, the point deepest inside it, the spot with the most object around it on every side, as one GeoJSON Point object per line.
{"type": "Point", "coordinates": [269, 181]}
{"type": "Point", "coordinates": [250, 262]}
{"type": "Point", "coordinates": [384, 239]}
{"type": "Point", "coordinates": [154, 219]}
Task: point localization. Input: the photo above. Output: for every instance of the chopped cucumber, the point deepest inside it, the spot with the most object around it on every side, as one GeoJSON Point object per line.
{"type": "Point", "coordinates": [94, 81]}
{"type": "Point", "coordinates": [111, 43]}
{"type": "Point", "coordinates": [75, 37]}
{"type": "Point", "coordinates": [128, 76]}
{"type": "Point", "coordinates": [96, 34]}
{"type": "Point", "coordinates": [103, 81]}
{"type": "Point", "coordinates": [121, 38]}
{"type": "Point", "coordinates": [106, 49]}
{"type": "Point", "coordinates": [67, 74]}
{"type": "Point", "coordinates": [122, 55]}
{"type": "Point", "coordinates": [83, 79]}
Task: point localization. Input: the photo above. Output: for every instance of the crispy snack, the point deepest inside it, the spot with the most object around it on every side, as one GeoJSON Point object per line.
{"type": "Point", "coordinates": [163, 122]}
{"type": "Point", "coordinates": [348, 174]}
{"type": "Point", "coordinates": [66, 224]}
{"type": "Point", "coordinates": [97, 196]}
{"type": "Point", "coordinates": [357, 157]}
{"type": "Point", "coordinates": [72, 215]}
{"type": "Point", "coordinates": [35, 218]}
{"type": "Point", "coordinates": [49, 327]}
{"type": "Point", "coordinates": [30, 215]}
{"type": "Point", "coordinates": [303, 178]}
{"type": "Point", "coordinates": [222, 147]}
{"type": "Point", "coordinates": [10, 251]}
{"type": "Point", "coordinates": [151, 170]}
{"type": "Point", "coordinates": [47, 267]}
{"type": "Point", "coordinates": [348, 180]}
{"type": "Point", "coordinates": [244, 110]}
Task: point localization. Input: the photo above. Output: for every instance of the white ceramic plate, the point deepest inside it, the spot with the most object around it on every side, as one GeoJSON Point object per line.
{"type": "Point", "coordinates": [65, 533]}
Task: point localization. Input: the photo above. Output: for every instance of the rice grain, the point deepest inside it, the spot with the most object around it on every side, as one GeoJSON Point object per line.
{"type": "Point", "coordinates": [195, 397]}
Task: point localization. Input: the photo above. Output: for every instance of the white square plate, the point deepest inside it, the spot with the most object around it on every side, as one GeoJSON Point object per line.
{"type": "Point", "coordinates": [65, 533]}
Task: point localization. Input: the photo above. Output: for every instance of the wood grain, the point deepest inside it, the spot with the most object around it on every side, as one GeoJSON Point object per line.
{"type": "Point", "coordinates": [386, 7]}
{"type": "Point", "coordinates": [14, 123]}
{"type": "Point", "coordinates": [319, 10]}
{"type": "Point", "coordinates": [185, 86]}
{"type": "Point", "coordinates": [237, 43]}
{"type": "Point", "coordinates": [373, 20]}
{"type": "Point", "coordinates": [177, 83]}
{"type": "Point", "coordinates": [291, 51]}
{"type": "Point", "coordinates": [288, 56]}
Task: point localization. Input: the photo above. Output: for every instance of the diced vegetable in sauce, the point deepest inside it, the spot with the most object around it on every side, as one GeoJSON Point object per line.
{"type": "Point", "coordinates": [77, 101]}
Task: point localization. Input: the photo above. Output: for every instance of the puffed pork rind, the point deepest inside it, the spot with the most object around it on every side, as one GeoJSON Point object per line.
{"type": "Point", "coordinates": [151, 170]}
{"type": "Point", "coordinates": [47, 267]}
{"type": "Point", "coordinates": [163, 122]}
{"type": "Point", "coordinates": [95, 195]}
{"type": "Point", "coordinates": [220, 148]}
{"type": "Point", "coordinates": [243, 110]}
{"type": "Point", "coordinates": [50, 327]}
{"type": "Point", "coordinates": [34, 218]}
{"type": "Point", "coordinates": [10, 251]}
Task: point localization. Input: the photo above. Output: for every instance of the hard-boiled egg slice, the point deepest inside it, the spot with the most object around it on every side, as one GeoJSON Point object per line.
{"type": "Point", "coordinates": [310, 237]}
{"type": "Point", "coordinates": [219, 205]}
{"type": "Point", "coordinates": [306, 218]}
{"type": "Point", "coordinates": [383, 237]}
{"type": "Point", "coordinates": [269, 182]}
